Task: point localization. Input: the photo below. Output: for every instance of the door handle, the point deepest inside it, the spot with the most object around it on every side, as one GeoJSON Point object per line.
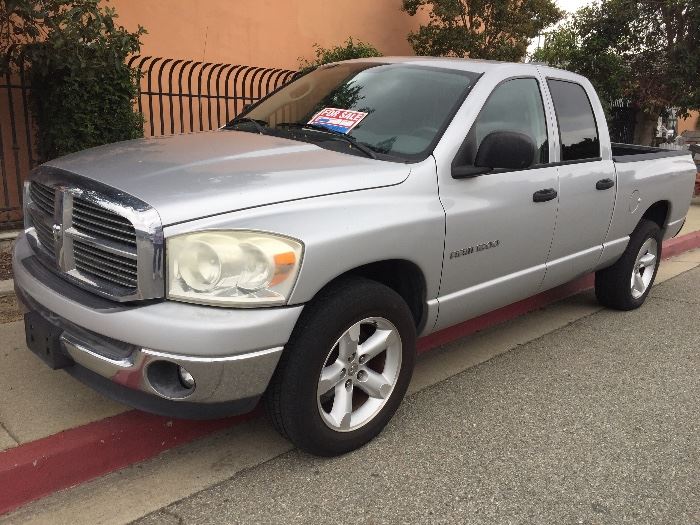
{"type": "Point", "coordinates": [604, 184]}
{"type": "Point", "coordinates": [544, 195]}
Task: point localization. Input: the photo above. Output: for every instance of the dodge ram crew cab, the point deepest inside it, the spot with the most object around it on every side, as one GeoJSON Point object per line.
{"type": "Point", "coordinates": [295, 255]}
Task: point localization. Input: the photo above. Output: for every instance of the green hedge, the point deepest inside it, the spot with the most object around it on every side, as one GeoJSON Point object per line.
{"type": "Point", "coordinates": [346, 51]}
{"type": "Point", "coordinates": [82, 91]}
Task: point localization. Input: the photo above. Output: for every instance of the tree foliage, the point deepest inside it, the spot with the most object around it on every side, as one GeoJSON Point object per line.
{"type": "Point", "coordinates": [644, 51]}
{"type": "Point", "coordinates": [82, 91]}
{"type": "Point", "coordinates": [489, 29]}
{"type": "Point", "coordinates": [351, 48]}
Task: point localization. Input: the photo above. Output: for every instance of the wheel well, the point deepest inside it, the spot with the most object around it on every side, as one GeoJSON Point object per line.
{"type": "Point", "coordinates": [404, 277]}
{"type": "Point", "coordinates": [657, 212]}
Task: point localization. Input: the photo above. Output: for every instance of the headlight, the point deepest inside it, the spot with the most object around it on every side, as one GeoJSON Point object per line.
{"type": "Point", "coordinates": [232, 268]}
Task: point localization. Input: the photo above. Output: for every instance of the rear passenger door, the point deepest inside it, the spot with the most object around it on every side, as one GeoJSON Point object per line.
{"type": "Point", "coordinates": [586, 184]}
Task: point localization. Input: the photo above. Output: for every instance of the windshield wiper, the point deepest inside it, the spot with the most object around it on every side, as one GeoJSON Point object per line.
{"type": "Point", "coordinates": [259, 125]}
{"type": "Point", "coordinates": [364, 148]}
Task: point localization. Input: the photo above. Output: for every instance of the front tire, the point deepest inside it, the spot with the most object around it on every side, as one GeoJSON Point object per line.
{"type": "Point", "coordinates": [626, 284]}
{"type": "Point", "coordinates": [345, 369]}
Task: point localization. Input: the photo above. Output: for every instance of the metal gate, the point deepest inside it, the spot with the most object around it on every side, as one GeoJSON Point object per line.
{"type": "Point", "coordinates": [621, 122]}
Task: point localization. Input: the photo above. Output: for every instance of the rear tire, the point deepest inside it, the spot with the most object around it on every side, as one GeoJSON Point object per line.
{"type": "Point", "coordinates": [626, 284]}
{"type": "Point", "coordinates": [345, 369]}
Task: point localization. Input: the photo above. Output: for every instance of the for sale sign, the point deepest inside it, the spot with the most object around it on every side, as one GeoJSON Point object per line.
{"type": "Point", "coordinates": [340, 120]}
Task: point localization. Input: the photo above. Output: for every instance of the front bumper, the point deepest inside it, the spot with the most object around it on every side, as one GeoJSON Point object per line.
{"type": "Point", "coordinates": [132, 352]}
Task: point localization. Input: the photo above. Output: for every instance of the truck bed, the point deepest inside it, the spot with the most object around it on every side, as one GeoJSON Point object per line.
{"type": "Point", "coordinates": [634, 153]}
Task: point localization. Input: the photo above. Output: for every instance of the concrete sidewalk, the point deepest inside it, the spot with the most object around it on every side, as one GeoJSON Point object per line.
{"type": "Point", "coordinates": [36, 401]}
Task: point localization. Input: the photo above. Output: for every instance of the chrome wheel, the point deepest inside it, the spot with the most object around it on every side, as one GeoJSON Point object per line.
{"type": "Point", "coordinates": [644, 266]}
{"type": "Point", "coordinates": [359, 374]}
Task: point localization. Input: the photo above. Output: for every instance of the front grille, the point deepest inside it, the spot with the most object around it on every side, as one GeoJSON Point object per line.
{"type": "Point", "coordinates": [43, 197]}
{"type": "Point", "coordinates": [111, 243]}
{"type": "Point", "coordinates": [102, 223]}
{"type": "Point", "coordinates": [100, 263]}
{"type": "Point", "coordinates": [45, 236]}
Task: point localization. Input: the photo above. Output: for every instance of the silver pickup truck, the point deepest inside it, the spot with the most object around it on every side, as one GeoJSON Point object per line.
{"type": "Point", "coordinates": [295, 254]}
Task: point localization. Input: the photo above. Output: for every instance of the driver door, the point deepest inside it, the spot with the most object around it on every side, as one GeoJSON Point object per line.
{"type": "Point", "coordinates": [497, 237]}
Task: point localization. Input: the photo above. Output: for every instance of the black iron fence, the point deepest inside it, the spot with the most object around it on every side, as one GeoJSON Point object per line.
{"type": "Point", "coordinates": [176, 96]}
{"type": "Point", "coordinates": [621, 122]}
{"type": "Point", "coordinates": [181, 96]}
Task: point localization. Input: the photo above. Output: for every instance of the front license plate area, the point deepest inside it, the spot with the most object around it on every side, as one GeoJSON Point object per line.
{"type": "Point", "coordinates": [43, 339]}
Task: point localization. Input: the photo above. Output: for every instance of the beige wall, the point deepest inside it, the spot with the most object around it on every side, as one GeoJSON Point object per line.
{"type": "Point", "coordinates": [272, 33]}
{"type": "Point", "coordinates": [691, 123]}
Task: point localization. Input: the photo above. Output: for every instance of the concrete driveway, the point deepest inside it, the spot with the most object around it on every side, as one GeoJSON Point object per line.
{"type": "Point", "coordinates": [597, 422]}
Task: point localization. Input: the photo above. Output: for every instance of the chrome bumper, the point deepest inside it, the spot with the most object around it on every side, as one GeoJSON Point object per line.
{"type": "Point", "coordinates": [216, 380]}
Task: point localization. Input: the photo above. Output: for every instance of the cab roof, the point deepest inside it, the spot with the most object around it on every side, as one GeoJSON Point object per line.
{"type": "Point", "coordinates": [464, 64]}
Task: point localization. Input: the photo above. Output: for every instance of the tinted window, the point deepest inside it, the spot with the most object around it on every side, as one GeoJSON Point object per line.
{"type": "Point", "coordinates": [406, 108]}
{"type": "Point", "coordinates": [577, 129]}
{"type": "Point", "coordinates": [515, 105]}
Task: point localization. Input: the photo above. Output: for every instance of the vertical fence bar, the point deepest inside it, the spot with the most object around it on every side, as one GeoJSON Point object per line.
{"type": "Point", "coordinates": [179, 90]}
{"type": "Point", "coordinates": [24, 86]}
{"type": "Point", "coordinates": [170, 94]}
{"type": "Point", "coordinates": [209, 95]}
{"type": "Point", "coordinates": [150, 94]}
{"type": "Point", "coordinates": [13, 135]}
{"type": "Point", "coordinates": [189, 91]}
{"type": "Point", "coordinates": [218, 102]}
{"type": "Point", "coordinates": [227, 98]}
{"type": "Point", "coordinates": [3, 168]}
{"type": "Point", "coordinates": [160, 93]}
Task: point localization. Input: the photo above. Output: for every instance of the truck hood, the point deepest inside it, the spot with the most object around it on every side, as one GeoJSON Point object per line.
{"type": "Point", "coordinates": [186, 177]}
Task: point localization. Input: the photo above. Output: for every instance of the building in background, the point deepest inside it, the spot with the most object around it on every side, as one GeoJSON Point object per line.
{"type": "Point", "coordinates": [691, 123]}
{"type": "Point", "coordinates": [267, 33]}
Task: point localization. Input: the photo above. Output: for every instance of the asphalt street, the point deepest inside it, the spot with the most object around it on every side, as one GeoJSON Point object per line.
{"type": "Point", "coordinates": [597, 422]}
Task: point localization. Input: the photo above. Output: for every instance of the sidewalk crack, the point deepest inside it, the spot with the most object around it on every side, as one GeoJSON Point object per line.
{"type": "Point", "coordinates": [7, 431]}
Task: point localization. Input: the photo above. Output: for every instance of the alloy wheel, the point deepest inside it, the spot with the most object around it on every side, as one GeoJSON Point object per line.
{"type": "Point", "coordinates": [359, 374]}
{"type": "Point", "coordinates": [643, 270]}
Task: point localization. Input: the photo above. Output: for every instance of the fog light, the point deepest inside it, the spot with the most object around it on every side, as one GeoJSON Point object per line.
{"type": "Point", "coordinates": [185, 378]}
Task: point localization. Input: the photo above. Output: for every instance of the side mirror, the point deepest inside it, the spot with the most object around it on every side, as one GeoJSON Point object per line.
{"type": "Point", "coordinates": [465, 172]}
{"type": "Point", "coordinates": [499, 150]}
{"type": "Point", "coordinates": [505, 150]}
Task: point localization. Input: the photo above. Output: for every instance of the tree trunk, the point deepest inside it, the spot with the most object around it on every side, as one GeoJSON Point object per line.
{"type": "Point", "coordinates": [645, 127]}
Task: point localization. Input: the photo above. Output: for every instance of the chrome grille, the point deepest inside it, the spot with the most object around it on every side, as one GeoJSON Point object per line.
{"type": "Point", "coordinates": [95, 236]}
{"type": "Point", "coordinates": [45, 236]}
{"type": "Point", "coordinates": [100, 222]}
{"type": "Point", "coordinates": [43, 197]}
{"type": "Point", "coordinates": [103, 264]}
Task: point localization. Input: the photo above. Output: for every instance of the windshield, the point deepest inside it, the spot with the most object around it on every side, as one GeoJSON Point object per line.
{"type": "Point", "coordinates": [394, 110]}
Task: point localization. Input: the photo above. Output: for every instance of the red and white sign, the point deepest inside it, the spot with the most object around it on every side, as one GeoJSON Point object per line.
{"type": "Point", "coordinates": [341, 120]}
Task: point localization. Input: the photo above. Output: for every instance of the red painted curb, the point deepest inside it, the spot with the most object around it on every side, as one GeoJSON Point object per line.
{"type": "Point", "coordinates": [41, 467]}
{"type": "Point", "coordinates": [676, 246]}
{"type": "Point", "coordinates": [504, 314]}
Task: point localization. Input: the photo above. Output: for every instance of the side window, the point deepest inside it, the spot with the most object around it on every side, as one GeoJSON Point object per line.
{"type": "Point", "coordinates": [577, 127]}
{"type": "Point", "coordinates": [515, 106]}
